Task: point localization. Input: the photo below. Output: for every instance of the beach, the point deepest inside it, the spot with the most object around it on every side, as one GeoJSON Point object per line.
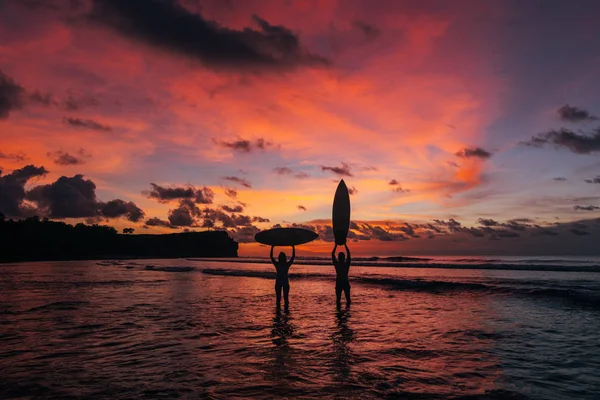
{"type": "Point", "coordinates": [209, 329]}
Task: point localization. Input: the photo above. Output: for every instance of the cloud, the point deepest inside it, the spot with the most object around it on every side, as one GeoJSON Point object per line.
{"type": "Point", "coordinates": [159, 222]}
{"type": "Point", "coordinates": [62, 158]}
{"type": "Point", "coordinates": [231, 193]}
{"type": "Point", "coordinates": [86, 124]}
{"type": "Point", "coordinates": [586, 208]}
{"type": "Point", "coordinates": [186, 214]}
{"type": "Point", "coordinates": [594, 180]}
{"type": "Point", "coordinates": [576, 142]}
{"type": "Point", "coordinates": [245, 146]}
{"type": "Point", "coordinates": [352, 191]}
{"type": "Point", "coordinates": [244, 234]}
{"type": "Point", "coordinates": [13, 156]}
{"type": "Point", "coordinates": [260, 219]}
{"type": "Point", "coordinates": [574, 114]}
{"type": "Point", "coordinates": [120, 208]}
{"type": "Point", "coordinates": [11, 95]}
{"type": "Point", "coordinates": [76, 103]}
{"type": "Point", "coordinates": [235, 209]}
{"type": "Point", "coordinates": [166, 25]}
{"type": "Point", "coordinates": [75, 197]}
{"type": "Point", "coordinates": [12, 189]}
{"type": "Point", "coordinates": [342, 170]}
{"type": "Point", "coordinates": [473, 152]}
{"type": "Point", "coordinates": [301, 208]}
{"type": "Point", "coordinates": [289, 171]}
{"type": "Point", "coordinates": [236, 179]}
{"type": "Point", "coordinates": [397, 187]}
{"type": "Point", "coordinates": [370, 31]}
{"type": "Point", "coordinates": [560, 179]}
{"type": "Point", "coordinates": [163, 194]}
{"type": "Point", "coordinates": [487, 222]}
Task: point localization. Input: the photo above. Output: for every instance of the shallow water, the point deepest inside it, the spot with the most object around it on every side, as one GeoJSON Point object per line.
{"type": "Point", "coordinates": [198, 329]}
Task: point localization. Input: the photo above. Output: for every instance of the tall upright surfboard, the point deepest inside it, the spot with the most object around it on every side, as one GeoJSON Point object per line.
{"type": "Point", "coordinates": [341, 214]}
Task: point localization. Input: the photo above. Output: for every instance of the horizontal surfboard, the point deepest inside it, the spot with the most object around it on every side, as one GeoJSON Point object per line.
{"type": "Point", "coordinates": [340, 217]}
{"type": "Point", "coordinates": [285, 236]}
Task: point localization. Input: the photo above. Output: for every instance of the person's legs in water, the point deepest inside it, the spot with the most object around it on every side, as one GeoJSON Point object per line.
{"type": "Point", "coordinates": [347, 293]}
{"type": "Point", "coordinates": [338, 295]}
{"type": "Point", "coordinates": [278, 293]}
{"type": "Point", "coordinates": [286, 294]}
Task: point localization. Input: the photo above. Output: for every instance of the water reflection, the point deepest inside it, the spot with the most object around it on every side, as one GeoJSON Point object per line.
{"type": "Point", "coordinates": [281, 333]}
{"type": "Point", "coordinates": [341, 337]}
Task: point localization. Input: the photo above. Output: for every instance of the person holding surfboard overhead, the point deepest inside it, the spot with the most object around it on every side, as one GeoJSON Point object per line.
{"type": "Point", "coordinates": [282, 265]}
{"type": "Point", "coordinates": [342, 283]}
{"type": "Point", "coordinates": [340, 221]}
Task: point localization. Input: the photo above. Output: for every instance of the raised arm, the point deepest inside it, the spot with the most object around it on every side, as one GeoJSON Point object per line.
{"type": "Point", "coordinates": [333, 259]}
{"type": "Point", "coordinates": [273, 258]}
{"type": "Point", "coordinates": [347, 256]}
{"type": "Point", "coordinates": [293, 256]}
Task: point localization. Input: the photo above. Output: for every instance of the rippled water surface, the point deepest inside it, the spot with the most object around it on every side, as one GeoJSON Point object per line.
{"type": "Point", "coordinates": [198, 329]}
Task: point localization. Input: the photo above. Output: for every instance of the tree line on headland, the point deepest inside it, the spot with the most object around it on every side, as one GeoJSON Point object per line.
{"type": "Point", "coordinates": [35, 239]}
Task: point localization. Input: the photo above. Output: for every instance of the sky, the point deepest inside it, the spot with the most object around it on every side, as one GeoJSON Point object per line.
{"type": "Point", "coordinates": [463, 127]}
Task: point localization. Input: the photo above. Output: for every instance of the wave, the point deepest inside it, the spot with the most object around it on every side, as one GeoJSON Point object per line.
{"type": "Point", "coordinates": [582, 297]}
{"type": "Point", "coordinates": [444, 264]}
{"type": "Point", "coordinates": [169, 268]}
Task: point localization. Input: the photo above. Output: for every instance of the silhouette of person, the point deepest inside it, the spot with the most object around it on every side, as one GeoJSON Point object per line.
{"type": "Point", "coordinates": [281, 281]}
{"type": "Point", "coordinates": [342, 267]}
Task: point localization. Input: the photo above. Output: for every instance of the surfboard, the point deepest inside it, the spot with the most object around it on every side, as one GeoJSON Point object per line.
{"type": "Point", "coordinates": [340, 218]}
{"type": "Point", "coordinates": [285, 236]}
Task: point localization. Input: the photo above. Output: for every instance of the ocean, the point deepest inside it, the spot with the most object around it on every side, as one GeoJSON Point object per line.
{"type": "Point", "coordinates": [418, 328]}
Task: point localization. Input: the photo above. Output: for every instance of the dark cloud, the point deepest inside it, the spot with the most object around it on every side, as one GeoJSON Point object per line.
{"type": "Point", "coordinates": [565, 138]}
{"type": "Point", "coordinates": [159, 222]}
{"type": "Point", "coordinates": [452, 164]}
{"type": "Point", "coordinates": [75, 197]}
{"type": "Point", "coordinates": [487, 222]}
{"type": "Point", "coordinates": [244, 234]}
{"type": "Point", "coordinates": [62, 158]}
{"type": "Point", "coordinates": [120, 208]}
{"type": "Point", "coordinates": [168, 26]}
{"type": "Point", "coordinates": [86, 124]}
{"type": "Point", "coordinates": [231, 193]}
{"type": "Point", "coordinates": [186, 214]}
{"type": "Point", "coordinates": [72, 103]}
{"type": "Point", "coordinates": [594, 180]}
{"type": "Point", "coordinates": [574, 114]}
{"type": "Point", "coordinates": [11, 95]}
{"type": "Point", "coordinates": [245, 146]}
{"type": "Point", "coordinates": [560, 179]}
{"type": "Point", "coordinates": [234, 209]}
{"type": "Point", "coordinates": [260, 219]}
{"type": "Point", "coordinates": [342, 170]}
{"type": "Point", "coordinates": [473, 152]}
{"type": "Point", "coordinates": [289, 171]}
{"type": "Point", "coordinates": [370, 31]}
{"type": "Point", "coordinates": [44, 99]}
{"type": "Point", "coordinates": [301, 208]}
{"type": "Point", "coordinates": [352, 191]}
{"type": "Point", "coordinates": [163, 194]}
{"type": "Point", "coordinates": [236, 179]}
{"type": "Point", "coordinates": [393, 182]}
{"type": "Point", "coordinates": [13, 156]}
{"type": "Point", "coordinates": [12, 189]}
{"type": "Point", "coordinates": [586, 208]}
{"type": "Point", "coordinates": [399, 189]}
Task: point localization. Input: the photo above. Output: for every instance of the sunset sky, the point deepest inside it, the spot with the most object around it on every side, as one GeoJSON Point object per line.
{"type": "Point", "coordinates": [461, 127]}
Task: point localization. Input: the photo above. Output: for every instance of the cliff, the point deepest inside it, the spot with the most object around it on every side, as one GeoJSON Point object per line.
{"type": "Point", "coordinates": [33, 239]}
